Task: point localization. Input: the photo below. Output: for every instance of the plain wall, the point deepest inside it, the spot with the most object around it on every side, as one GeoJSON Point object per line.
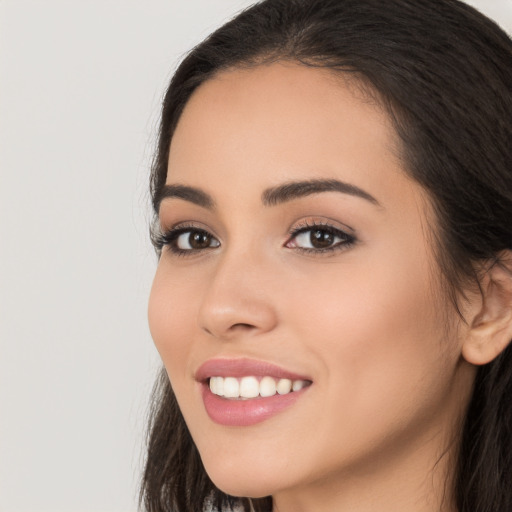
{"type": "Point", "coordinates": [80, 88]}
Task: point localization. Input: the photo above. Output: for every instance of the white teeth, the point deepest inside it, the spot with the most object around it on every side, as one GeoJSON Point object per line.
{"type": "Point", "coordinates": [267, 387]}
{"type": "Point", "coordinates": [217, 385]}
{"type": "Point", "coordinates": [297, 385]}
{"type": "Point", "coordinates": [231, 387]}
{"type": "Point", "coordinates": [251, 387]}
{"type": "Point", "coordinates": [284, 386]}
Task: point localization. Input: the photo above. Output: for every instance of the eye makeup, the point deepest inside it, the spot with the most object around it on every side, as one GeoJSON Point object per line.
{"type": "Point", "coordinates": [314, 237]}
{"type": "Point", "coordinates": [309, 237]}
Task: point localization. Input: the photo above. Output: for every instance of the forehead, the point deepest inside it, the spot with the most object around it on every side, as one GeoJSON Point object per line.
{"type": "Point", "coordinates": [258, 127]}
{"type": "Point", "coordinates": [283, 110]}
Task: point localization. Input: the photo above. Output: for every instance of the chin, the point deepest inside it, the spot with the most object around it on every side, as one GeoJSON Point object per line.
{"type": "Point", "coordinates": [242, 480]}
{"type": "Point", "coordinates": [241, 487]}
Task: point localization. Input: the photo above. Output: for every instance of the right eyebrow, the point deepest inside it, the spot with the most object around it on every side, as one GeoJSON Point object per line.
{"type": "Point", "coordinates": [297, 189]}
{"type": "Point", "coordinates": [191, 194]}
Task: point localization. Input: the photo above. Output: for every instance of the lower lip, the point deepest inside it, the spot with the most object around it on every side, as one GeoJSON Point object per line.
{"type": "Point", "coordinates": [244, 413]}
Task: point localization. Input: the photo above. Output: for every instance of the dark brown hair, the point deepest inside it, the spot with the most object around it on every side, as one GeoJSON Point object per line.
{"type": "Point", "coordinates": [443, 71]}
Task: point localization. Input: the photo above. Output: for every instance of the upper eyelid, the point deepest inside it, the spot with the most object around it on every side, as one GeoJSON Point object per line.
{"type": "Point", "coordinates": [179, 230]}
{"type": "Point", "coordinates": [294, 233]}
{"type": "Point", "coordinates": [311, 223]}
{"type": "Point", "coordinates": [296, 227]}
{"type": "Point", "coordinates": [184, 225]}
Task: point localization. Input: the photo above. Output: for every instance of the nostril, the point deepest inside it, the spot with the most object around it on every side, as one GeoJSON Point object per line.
{"type": "Point", "coordinates": [242, 326]}
{"type": "Point", "coordinates": [231, 330]}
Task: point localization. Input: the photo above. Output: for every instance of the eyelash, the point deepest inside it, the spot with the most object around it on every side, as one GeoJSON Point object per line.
{"type": "Point", "coordinates": [346, 240]}
{"type": "Point", "coordinates": [170, 237]}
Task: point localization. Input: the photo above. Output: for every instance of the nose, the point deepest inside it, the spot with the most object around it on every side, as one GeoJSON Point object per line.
{"type": "Point", "coordinates": [237, 301]}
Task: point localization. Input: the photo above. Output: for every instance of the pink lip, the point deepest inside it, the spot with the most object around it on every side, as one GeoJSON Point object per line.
{"type": "Point", "coordinates": [243, 413]}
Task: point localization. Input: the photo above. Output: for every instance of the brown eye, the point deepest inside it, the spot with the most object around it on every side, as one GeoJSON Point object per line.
{"type": "Point", "coordinates": [199, 240]}
{"type": "Point", "coordinates": [320, 239]}
{"type": "Point", "coordinates": [195, 240]}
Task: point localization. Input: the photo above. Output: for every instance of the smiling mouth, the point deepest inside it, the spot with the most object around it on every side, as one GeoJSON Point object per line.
{"type": "Point", "coordinates": [250, 387]}
{"type": "Point", "coordinates": [241, 392]}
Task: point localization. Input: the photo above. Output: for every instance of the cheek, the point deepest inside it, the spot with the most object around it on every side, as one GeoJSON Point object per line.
{"type": "Point", "coordinates": [170, 320]}
{"type": "Point", "coordinates": [376, 328]}
{"type": "Point", "coordinates": [385, 366]}
{"type": "Point", "coordinates": [367, 303]}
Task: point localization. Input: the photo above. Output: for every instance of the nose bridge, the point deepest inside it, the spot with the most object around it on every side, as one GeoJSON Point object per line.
{"type": "Point", "coordinates": [237, 298]}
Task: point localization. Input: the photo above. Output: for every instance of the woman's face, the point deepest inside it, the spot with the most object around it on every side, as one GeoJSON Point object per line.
{"type": "Point", "coordinates": [297, 249]}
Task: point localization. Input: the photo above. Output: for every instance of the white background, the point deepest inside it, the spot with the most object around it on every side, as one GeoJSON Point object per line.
{"type": "Point", "coordinates": [80, 87]}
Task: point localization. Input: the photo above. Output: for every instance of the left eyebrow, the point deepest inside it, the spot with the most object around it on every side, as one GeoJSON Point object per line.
{"type": "Point", "coordinates": [296, 189]}
{"type": "Point", "coordinates": [190, 194]}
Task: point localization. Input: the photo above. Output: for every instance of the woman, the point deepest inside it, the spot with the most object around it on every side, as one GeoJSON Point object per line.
{"type": "Point", "coordinates": [333, 301]}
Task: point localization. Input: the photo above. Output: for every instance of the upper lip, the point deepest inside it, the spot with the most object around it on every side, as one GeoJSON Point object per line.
{"type": "Point", "coordinates": [243, 367]}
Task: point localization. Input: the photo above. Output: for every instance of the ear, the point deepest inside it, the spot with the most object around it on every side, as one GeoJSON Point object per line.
{"type": "Point", "coordinates": [490, 328]}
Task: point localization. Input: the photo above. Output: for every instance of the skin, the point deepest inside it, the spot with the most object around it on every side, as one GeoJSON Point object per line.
{"type": "Point", "coordinates": [367, 322]}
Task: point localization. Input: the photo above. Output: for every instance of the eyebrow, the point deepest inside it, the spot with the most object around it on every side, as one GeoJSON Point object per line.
{"type": "Point", "coordinates": [271, 196]}
{"type": "Point", "coordinates": [190, 194]}
{"type": "Point", "coordinates": [296, 189]}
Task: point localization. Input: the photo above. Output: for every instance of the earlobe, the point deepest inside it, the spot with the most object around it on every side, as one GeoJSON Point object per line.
{"type": "Point", "coordinates": [490, 330]}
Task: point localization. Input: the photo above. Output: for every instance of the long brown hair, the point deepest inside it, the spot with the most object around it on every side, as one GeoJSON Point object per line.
{"type": "Point", "coordinates": [444, 73]}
